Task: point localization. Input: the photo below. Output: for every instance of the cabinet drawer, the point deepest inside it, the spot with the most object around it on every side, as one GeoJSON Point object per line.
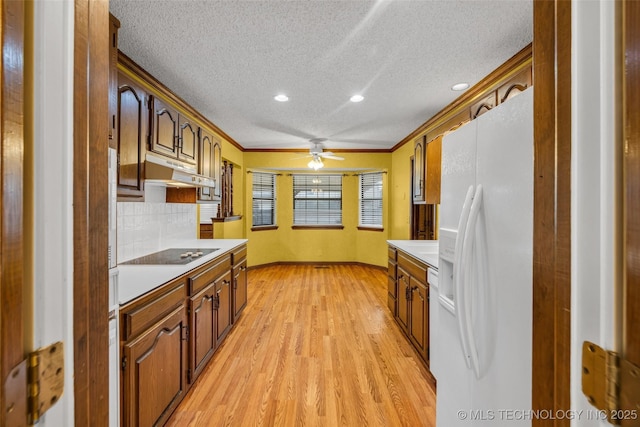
{"type": "Point", "coordinates": [209, 273]}
{"type": "Point", "coordinates": [140, 318]}
{"type": "Point", "coordinates": [391, 286]}
{"type": "Point", "coordinates": [392, 253]}
{"type": "Point", "coordinates": [391, 303]}
{"type": "Point", "coordinates": [412, 266]}
{"type": "Point", "coordinates": [239, 254]}
{"type": "Point", "coordinates": [391, 269]}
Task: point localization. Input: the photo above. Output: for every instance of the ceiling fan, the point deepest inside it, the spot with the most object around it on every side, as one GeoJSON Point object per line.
{"type": "Point", "coordinates": [317, 154]}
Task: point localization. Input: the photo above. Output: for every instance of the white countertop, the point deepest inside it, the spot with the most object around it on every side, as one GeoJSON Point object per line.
{"type": "Point", "coordinates": [136, 280]}
{"type": "Point", "coordinates": [423, 250]}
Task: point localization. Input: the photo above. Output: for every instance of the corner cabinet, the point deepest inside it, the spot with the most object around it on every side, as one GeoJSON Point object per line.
{"type": "Point", "coordinates": [210, 165]}
{"type": "Point", "coordinates": [412, 300]}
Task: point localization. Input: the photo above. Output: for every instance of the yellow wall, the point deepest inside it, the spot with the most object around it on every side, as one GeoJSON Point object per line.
{"type": "Point", "coordinates": [288, 245]}
{"type": "Point", "coordinates": [401, 192]}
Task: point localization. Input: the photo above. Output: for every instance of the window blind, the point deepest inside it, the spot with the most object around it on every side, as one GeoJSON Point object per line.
{"type": "Point", "coordinates": [264, 199]}
{"type": "Point", "coordinates": [317, 199]}
{"type": "Point", "coordinates": [371, 199]}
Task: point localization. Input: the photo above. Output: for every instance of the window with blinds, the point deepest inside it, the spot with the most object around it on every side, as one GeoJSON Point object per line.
{"type": "Point", "coordinates": [264, 199]}
{"type": "Point", "coordinates": [317, 199]}
{"type": "Point", "coordinates": [371, 200]}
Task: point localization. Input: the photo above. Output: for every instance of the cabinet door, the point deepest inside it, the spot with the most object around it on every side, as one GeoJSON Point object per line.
{"type": "Point", "coordinates": [223, 307]}
{"type": "Point", "coordinates": [131, 137]}
{"type": "Point", "coordinates": [239, 288]}
{"type": "Point", "coordinates": [164, 125]}
{"type": "Point", "coordinates": [202, 330]}
{"type": "Point", "coordinates": [433, 172]}
{"type": "Point", "coordinates": [217, 170]}
{"type": "Point", "coordinates": [418, 170]}
{"type": "Point", "coordinates": [187, 140]}
{"type": "Point", "coordinates": [402, 311]}
{"type": "Point", "coordinates": [154, 376]}
{"type": "Point", "coordinates": [209, 165]}
{"type": "Point", "coordinates": [419, 314]}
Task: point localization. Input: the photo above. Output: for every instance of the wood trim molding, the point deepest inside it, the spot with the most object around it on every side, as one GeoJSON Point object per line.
{"type": "Point", "coordinates": [227, 218]}
{"type": "Point", "coordinates": [12, 96]}
{"type": "Point", "coordinates": [264, 228]}
{"type": "Point", "coordinates": [552, 209]}
{"type": "Point", "coordinates": [492, 81]}
{"type": "Point", "coordinates": [90, 230]}
{"type": "Point", "coordinates": [142, 76]}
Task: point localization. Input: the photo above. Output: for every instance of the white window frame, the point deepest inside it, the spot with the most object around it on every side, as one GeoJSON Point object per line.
{"type": "Point", "coordinates": [327, 183]}
{"type": "Point", "coordinates": [259, 176]}
{"type": "Point", "coordinates": [374, 195]}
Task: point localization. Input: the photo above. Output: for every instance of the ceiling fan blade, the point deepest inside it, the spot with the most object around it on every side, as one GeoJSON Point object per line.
{"type": "Point", "coordinates": [302, 157]}
{"type": "Point", "coordinates": [330, 156]}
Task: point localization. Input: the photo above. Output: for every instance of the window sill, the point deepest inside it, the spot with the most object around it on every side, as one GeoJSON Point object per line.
{"type": "Point", "coordinates": [370, 228]}
{"type": "Point", "coordinates": [227, 218]}
{"type": "Point", "coordinates": [264, 227]}
{"type": "Point", "coordinates": [317, 227]}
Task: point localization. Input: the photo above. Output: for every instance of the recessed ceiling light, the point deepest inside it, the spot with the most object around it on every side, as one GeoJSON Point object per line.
{"type": "Point", "coordinates": [281, 98]}
{"type": "Point", "coordinates": [356, 98]}
{"type": "Point", "coordinates": [460, 86]}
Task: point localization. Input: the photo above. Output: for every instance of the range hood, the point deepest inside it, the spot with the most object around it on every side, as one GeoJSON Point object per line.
{"type": "Point", "coordinates": [158, 169]}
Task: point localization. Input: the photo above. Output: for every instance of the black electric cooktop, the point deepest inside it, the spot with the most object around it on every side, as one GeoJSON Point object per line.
{"type": "Point", "coordinates": [172, 256]}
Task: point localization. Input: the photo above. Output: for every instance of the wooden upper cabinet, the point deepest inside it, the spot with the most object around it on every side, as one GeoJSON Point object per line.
{"type": "Point", "coordinates": [210, 164]}
{"type": "Point", "coordinates": [164, 127]}
{"type": "Point", "coordinates": [114, 24]}
{"type": "Point", "coordinates": [131, 136]}
{"type": "Point", "coordinates": [419, 152]}
{"type": "Point", "coordinates": [188, 137]}
{"type": "Point", "coordinates": [433, 172]}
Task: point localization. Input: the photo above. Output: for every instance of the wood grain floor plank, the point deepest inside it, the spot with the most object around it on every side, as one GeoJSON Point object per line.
{"type": "Point", "coordinates": [314, 347]}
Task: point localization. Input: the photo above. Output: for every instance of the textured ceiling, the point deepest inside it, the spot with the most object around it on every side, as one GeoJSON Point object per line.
{"type": "Point", "coordinates": [228, 59]}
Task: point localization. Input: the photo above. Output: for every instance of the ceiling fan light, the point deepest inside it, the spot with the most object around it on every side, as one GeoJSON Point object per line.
{"type": "Point", "coordinates": [315, 163]}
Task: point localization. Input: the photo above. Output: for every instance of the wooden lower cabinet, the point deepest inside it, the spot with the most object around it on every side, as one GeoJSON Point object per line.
{"type": "Point", "coordinates": [223, 307]}
{"type": "Point", "coordinates": [154, 366]}
{"type": "Point", "coordinates": [170, 334]}
{"type": "Point", "coordinates": [202, 328]}
{"type": "Point", "coordinates": [239, 300]}
{"type": "Point", "coordinates": [412, 300]}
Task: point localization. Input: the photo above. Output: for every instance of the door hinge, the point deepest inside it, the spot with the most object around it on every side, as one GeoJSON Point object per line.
{"type": "Point", "coordinates": [611, 383]}
{"type": "Point", "coordinates": [35, 385]}
{"type": "Point", "coordinates": [124, 363]}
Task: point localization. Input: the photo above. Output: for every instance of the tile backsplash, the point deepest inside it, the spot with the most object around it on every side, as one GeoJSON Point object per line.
{"type": "Point", "coordinates": [144, 228]}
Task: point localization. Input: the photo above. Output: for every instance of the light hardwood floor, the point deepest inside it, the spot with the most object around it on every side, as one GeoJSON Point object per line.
{"type": "Point", "coordinates": [317, 347]}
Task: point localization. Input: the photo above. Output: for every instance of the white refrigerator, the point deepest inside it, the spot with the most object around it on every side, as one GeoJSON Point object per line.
{"type": "Point", "coordinates": [481, 350]}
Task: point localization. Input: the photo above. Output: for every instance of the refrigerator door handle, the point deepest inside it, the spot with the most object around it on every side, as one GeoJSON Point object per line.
{"type": "Point", "coordinates": [458, 277]}
{"type": "Point", "coordinates": [467, 257]}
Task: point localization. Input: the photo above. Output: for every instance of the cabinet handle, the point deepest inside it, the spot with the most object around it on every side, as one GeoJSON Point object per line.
{"type": "Point", "coordinates": [226, 282]}
{"type": "Point", "coordinates": [218, 291]}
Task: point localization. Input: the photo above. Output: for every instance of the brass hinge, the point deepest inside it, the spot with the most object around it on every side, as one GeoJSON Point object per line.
{"type": "Point", "coordinates": [611, 383]}
{"type": "Point", "coordinates": [35, 385]}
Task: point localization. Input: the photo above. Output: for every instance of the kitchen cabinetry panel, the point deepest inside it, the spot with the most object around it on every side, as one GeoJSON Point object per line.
{"type": "Point", "coordinates": [202, 328]}
{"type": "Point", "coordinates": [164, 125]}
{"type": "Point", "coordinates": [154, 371]}
{"type": "Point", "coordinates": [419, 152]}
{"type": "Point", "coordinates": [239, 288]}
{"type": "Point", "coordinates": [433, 172]}
{"type": "Point", "coordinates": [420, 317]}
{"type": "Point", "coordinates": [114, 24]}
{"type": "Point", "coordinates": [412, 300]}
{"type": "Point", "coordinates": [131, 136]}
{"type": "Point", "coordinates": [188, 140]}
{"type": "Point", "coordinates": [210, 164]}
{"type": "Point", "coordinates": [223, 307]}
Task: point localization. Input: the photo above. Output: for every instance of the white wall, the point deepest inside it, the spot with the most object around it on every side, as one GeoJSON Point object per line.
{"type": "Point", "coordinates": [53, 190]}
{"type": "Point", "coordinates": [594, 202]}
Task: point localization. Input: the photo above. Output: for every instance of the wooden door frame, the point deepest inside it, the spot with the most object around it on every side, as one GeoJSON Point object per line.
{"type": "Point", "coordinates": [552, 208]}
{"type": "Point", "coordinates": [12, 342]}
{"type": "Point", "coordinates": [90, 200]}
{"type": "Point", "coordinates": [631, 184]}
